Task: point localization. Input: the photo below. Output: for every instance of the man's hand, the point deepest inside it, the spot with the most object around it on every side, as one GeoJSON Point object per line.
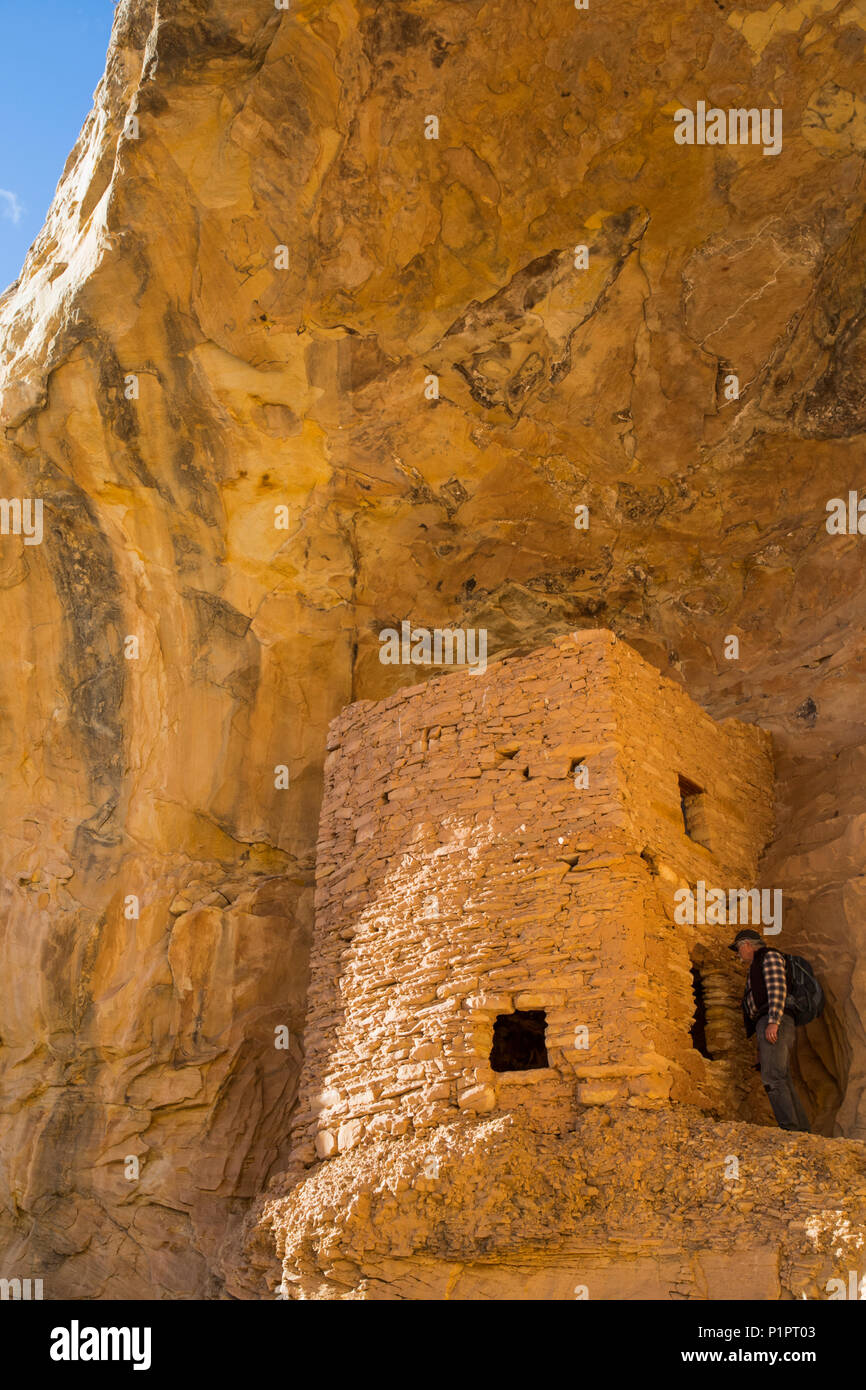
{"type": "Point", "coordinates": [772, 1032]}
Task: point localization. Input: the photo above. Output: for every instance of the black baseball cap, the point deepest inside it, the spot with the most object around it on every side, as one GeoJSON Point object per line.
{"type": "Point", "coordinates": [747, 935]}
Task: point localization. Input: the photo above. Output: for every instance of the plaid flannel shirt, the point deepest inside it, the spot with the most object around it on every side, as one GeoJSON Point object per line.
{"type": "Point", "coordinates": [777, 988]}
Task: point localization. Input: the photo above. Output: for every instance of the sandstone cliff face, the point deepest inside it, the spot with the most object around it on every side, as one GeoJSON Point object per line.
{"type": "Point", "coordinates": [254, 262]}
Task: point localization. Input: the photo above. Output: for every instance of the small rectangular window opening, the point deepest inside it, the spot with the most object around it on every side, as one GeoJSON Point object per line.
{"type": "Point", "coordinates": [518, 1041]}
{"type": "Point", "coordinates": [693, 807]}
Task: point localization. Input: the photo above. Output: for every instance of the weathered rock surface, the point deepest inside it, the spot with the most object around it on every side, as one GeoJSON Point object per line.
{"type": "Point", "coordinates": [165, 386]}
{"type": "Point", "coordinates": [621, 1208]}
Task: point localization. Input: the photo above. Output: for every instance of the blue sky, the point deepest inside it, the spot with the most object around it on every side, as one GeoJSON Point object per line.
{"type": "Point", "coordinates": [51, 59]}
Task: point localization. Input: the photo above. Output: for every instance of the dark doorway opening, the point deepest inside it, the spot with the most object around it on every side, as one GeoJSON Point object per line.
{"type": "Point", "coordinates": [518, 1041]}
{"type": "Point", "coordinates": [699, 1027]}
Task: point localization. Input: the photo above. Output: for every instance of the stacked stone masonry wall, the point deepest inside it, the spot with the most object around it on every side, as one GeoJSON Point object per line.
{"type": "Point", "coordinates": [662, 735]}
{"type": "Point", "coordinates": [462, 874]}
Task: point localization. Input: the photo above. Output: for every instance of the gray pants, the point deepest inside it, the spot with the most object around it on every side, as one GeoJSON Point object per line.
{"type": "Point", "coordinates": [776, 1074]}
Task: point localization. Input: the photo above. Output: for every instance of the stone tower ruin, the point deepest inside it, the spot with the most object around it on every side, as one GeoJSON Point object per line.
{"type": "Point", "coordinates": [476, 901]}
{"type": "Point", "coordinates": [496, 927]}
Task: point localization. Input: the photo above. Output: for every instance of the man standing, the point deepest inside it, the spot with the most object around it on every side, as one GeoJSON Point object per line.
{"type": "Point", "coordinates": [767, 1011]}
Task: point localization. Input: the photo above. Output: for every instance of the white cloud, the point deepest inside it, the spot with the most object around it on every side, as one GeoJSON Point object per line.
{"type": "Point", "coordinates": [10, 206]}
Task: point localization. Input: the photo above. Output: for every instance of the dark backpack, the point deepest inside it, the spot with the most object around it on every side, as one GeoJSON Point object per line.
{"type": "Point", "coordinates": [804, 991]}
